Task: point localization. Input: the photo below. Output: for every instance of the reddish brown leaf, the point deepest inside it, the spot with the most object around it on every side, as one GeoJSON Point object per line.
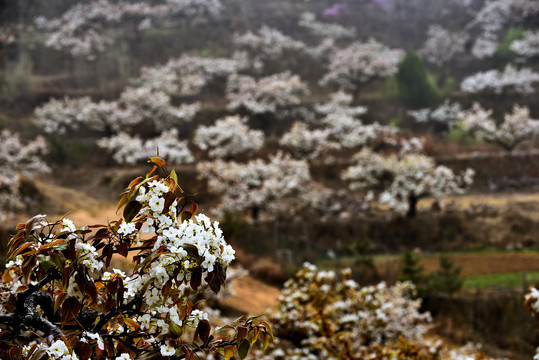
{"type": "Point", "coordinates": [131, 210]}
{"type": "Point", "coordinates": [203, 331]}
{"type": "Point", "coordinates": [83, 350]}
{"type": "Point", "coordinates": [70, 308]}
{"type": "Point", "coordinates": [21, 248]}
{"type": "Point", "coordinates": [242, 333]}
{"type": "Point", "coordinates": [196, 278]}
{"type": "Point", "coordinates": [123, 249]}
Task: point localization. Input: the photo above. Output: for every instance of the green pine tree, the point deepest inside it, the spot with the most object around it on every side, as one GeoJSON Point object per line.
{"type": "Point", "coordinates": [416, 87]}
{"type": "Point", "coordinates": [447, 278]}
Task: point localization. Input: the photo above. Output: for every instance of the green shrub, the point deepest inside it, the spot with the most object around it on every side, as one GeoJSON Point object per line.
{"type": "Point", "coordinates": [61, 150]}
{"type": "Point", "coordinates": [503, 51]}
{"type": "Point", "coordinates": [447, 278]}
{"type": "Point", "coordinates": [459, 135]}
{"type": "Point", "coordinates": [416, 87]}
{"type": "Point", "coordinates": [16, 79]}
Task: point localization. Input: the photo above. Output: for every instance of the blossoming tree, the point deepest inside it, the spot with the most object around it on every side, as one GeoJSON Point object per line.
{"type": "Point", "coordinates": [400, 181]}
{"type": "Point", "coordinates": [86, 28]}
{"type": "Point", "coordinates": [520, 80]}
{"type": "Point", "coordinates": [62, 300]}
{"type": "Point", "coordinates": [18, 160]}
{"type": "Point", "coordinates": [228, 137]}
{"type": "Point", "coordinates": [274, 186]}
{"type": "Point", "coordinates": [359, 63]}
{"type": "Point", "coordinates": [516, 127]}
{"type": "Point", "coordinates": [327, 315]}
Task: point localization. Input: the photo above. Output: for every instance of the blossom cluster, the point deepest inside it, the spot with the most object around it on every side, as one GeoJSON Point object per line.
{"type": "Point", "coordinates": [361, 62]}
{"type": "Point", "coordinates": [228, 137]}
{"type": "Point", "coordinates": [265, 95]}
{"type": "Point", "coordinates": [332, 317]}
{"type": "Point", "coordinates": [268, 44]}
{"type": "Point", "coordinates": [442, 45]}
{"type": "Point", "coordinates": [325, 29]}
{"type": "Point", "coordinates": [107, 313]}
{"type": "Point", "coordinates": [528, 46]}
{"type": "Point", "coordinates": [305, 143]}
{"type": "Point", "coordinates": [447, 113]}
{"type": "Point", "coordinates": [84, 30]}
{"type": "Point", "coordinates": [18, 160]}
{"type": "Point", "coordinates": [520, 80]}
{"type": "Point", "coordinates": [187, 75]}
{"type": "Point", "coordinates": [135, 106]}
{"type": "Point", "coordinates": [400, 181]}
{"type": "Point", "coordinates": [516, 127]}
{"type": "Point", "coordinates": [258, 184]}
{"type": "Point", "coordinates": [492, 18]}
{"type": "Point", "coordinates": [341, 119]}
{"type": "Point", "coordinates": [128, 149]}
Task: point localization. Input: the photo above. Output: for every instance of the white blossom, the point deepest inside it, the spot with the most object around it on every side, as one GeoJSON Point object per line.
{"type": "Point", "coordinates": [18, 159]}
{"type": "Point", "coordinates": [528, 46]}
{"type": "Point", "coordinates": [401, 179]}
{"type": "Point", "coordinates": [361, 62]}
{"type": "Point", "coordinates": [493, 80]}
{"type": "Point", "coordinates": [442, 45]}
{"type": "Point", "coordinates": [229, 136]}
{"type": "Point", "coordinates": [274, 186]}
{"type": "Point", "coordinates": [323, 29]}
{"type": "Point", "coordinates": [84, 29]}
{"type": "Point", "coordinates": [266, 95]}
{"type": "Point", "coordinates": [516, 127]}
{"type": "Point", "coordinates": [129, 150]}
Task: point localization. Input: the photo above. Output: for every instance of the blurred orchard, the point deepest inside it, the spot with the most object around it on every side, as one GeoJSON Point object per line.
{"type": "Point", "coordinates": [304, 117]}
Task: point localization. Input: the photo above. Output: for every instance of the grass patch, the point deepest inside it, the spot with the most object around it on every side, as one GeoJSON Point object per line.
{"type": "Point", "coordinates": [505, 280]}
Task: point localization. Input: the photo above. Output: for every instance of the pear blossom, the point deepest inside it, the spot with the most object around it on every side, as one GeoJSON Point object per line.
{"type": "Point", "coordinates": [401, 181]}
{"type": "Point", "coordinates": [129, 150]}
{"type": "Point", "coordinates": [516, 127]}
{"type": "Point", "coordinates": [520, 80]}
{"type": "Point", "coordinates": [82, 29]}
{"type": "Point", "coordinates": [265, 95]}
{"type": "Point", "coordinates": [228, 137]}
{"type": "Point", "coordinates": [359, 63]}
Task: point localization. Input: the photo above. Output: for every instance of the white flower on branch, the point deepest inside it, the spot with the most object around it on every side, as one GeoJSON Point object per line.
{"type": "Point", "coordinates": [136, 105]}
{"type": "Point", "coordinates": [187, 75]}
{"type": "Point", "coordinates": [268, 44]}
{"type": "Point", "coordinates": [330, 312]}
{"type": "Point", "coordinates": [447, 113]}
{"type": "Point", "coordinates": [345, 128]}
{"type": "Point", "coordinates": [493, 17]}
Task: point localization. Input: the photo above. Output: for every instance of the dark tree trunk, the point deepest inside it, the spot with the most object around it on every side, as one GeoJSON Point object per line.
{"type": "Point", "coordinates": [412, 206]}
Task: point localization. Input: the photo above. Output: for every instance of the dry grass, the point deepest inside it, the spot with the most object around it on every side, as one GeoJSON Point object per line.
{"type": "Point", "coordinates": [253, 296]}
